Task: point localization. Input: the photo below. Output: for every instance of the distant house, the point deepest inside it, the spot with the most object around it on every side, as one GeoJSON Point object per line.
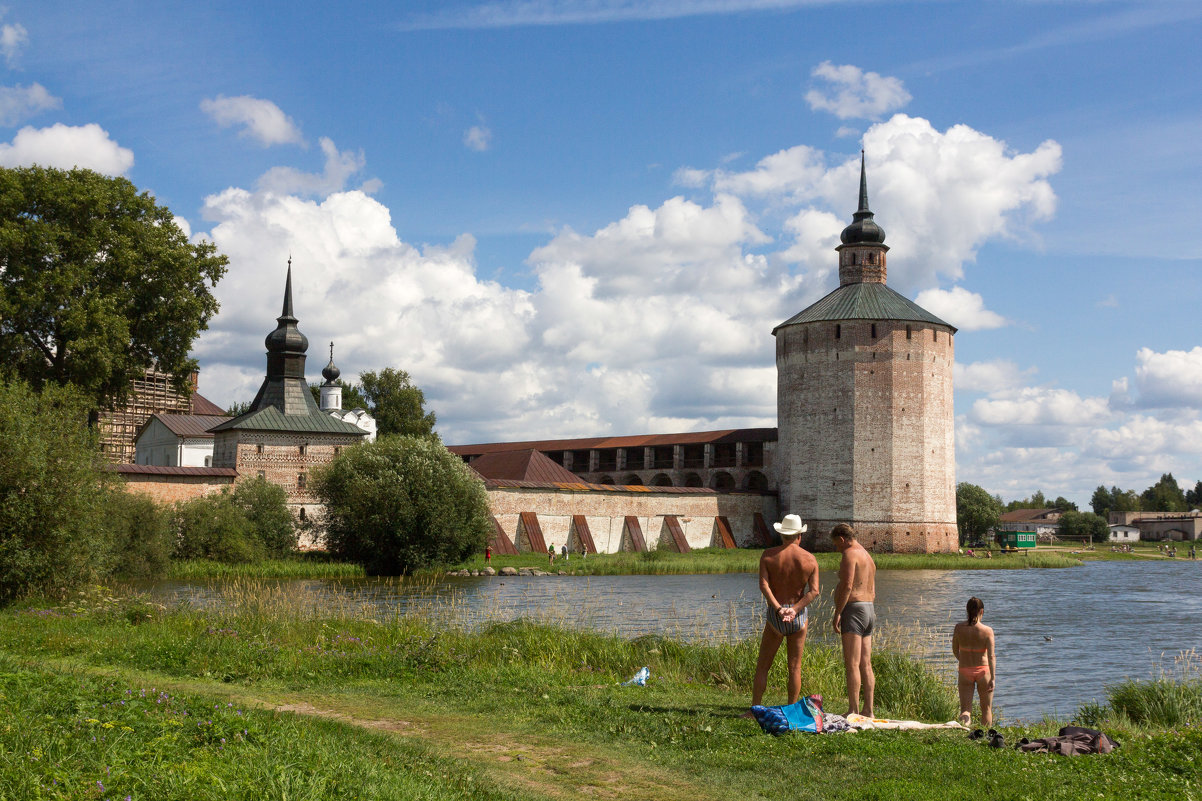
{"type": "Point", "coordinates": [1123, 533]}
{"type": "Point", "coordinates": [177, 440]}
{"type": "Point", "coordinates": [1156, 526]}
{"type": "Point", "coordinates": [1039, 521]}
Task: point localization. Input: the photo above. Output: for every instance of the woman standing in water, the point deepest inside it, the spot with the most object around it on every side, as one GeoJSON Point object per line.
{"type": "Point", "coordinates": [972, 643]}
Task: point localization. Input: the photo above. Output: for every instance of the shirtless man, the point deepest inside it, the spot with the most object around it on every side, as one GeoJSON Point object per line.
{"type": "Point", "coordinates": [855, 617]}
{"type": "Point", "coordinates": [789, 582]}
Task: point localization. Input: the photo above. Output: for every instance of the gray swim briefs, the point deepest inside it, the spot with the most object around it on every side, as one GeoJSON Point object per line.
{"type": "Point", "coordinates": [858, 617]}
{"type": "Point", "coordinates": [792, 627]}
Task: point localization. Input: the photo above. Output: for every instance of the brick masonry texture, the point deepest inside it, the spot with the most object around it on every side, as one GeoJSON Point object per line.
{"type": "Point", "coordinates": [173, 489]}
{"type": "Point", "coordinates": [866, 431]}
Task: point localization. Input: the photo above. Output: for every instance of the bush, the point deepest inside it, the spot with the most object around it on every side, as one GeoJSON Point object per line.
{"type": "Point", "coordinates": [215, 528]}
{"type": "Point", "coordinates": [142, 535]}
{"type": "Point", "coordinates": [53, 534]}
{"type": "Point", "coordinates": [265, 506]}
{"type": "Point", "coordinates": [402, 503]}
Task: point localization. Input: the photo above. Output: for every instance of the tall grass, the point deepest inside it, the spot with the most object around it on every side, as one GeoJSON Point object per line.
{"type": "Point", "coordinates": [746, 560]}
{"type": "Point", "coordinates": [266, 631]}
{"type": "Point", "coordinates": [1173, 698]}
{"type": "Point", "coordinates": [297, 567]}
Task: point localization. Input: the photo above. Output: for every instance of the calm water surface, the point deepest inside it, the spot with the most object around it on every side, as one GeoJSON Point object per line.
{"type": "Point", "coordinates": [1106, 620]}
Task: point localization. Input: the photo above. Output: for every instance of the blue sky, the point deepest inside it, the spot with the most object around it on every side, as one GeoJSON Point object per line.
{"type": "Point", "coordinates": [583, 217]}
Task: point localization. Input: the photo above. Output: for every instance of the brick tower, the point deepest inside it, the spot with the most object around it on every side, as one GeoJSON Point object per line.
{"type": "Point", "coordinates": [864, 405]}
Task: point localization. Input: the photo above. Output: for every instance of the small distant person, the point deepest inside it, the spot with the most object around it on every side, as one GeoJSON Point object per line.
{"type": "Point", "coordinates": [564, 552]}
{"type": "Point", "coordinates": [583, 552]}
{"type": "Point", "coordinates": [855, 617]}
{"type": "Point", "coordinates": [972, 643]}
{"type": "Point", "coordinates": [488, 554]}
{"type": "Point", "coordinates": [1193, 552]}
{"type": "Point", "coordinates": [550, 554]}
{"type": "Point", "coordinates": [788, 582]}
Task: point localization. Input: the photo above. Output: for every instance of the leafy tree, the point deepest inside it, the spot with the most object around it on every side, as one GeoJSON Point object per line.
{"type": "Point", "coordinates": [1193, 498]}
{"type": "Point", "coordinates": [1163, 496]}
{"type": "Point", "coordinates": [1101, 501]}
{"type": "Point", "coordinates": [352, 396]}
{"type": "Point", "coordinates": [53, 534]}
{"type": "Point", "coordinates": [1082, 526]}
{"type": "Point", "coordinates": [237, 408]}
{"type": "Point", "coordinates": [1036, 501]}
{"type": "Point", "coordinates": [396, 404]}
{"type": "Point", "coordinates": [1064, 504]}
{"type": "Point", "coordinates": [265, 506]}
{"type": "Point", "coordinates": [213, 527]}
{"type": "Point", "coordinates": [977, 512]}
{"type": "Point", "coordinates": [402, 503]}
{"type": "Point", "coordinates": [97, 282]}
{"type": "Point", "coordinates": [143, 538]}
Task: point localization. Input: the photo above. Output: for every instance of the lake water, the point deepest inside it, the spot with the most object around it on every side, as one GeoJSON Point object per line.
{"type": "Point", "coordinates": [1106, 620]}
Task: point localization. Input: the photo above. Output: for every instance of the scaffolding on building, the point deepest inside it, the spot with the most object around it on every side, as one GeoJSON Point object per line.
{"type": "Point", "coordinates": [154, 393]}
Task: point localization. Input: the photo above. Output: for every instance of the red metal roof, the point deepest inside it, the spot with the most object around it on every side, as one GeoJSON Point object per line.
{"type": "Point", "coordinates": [642, 440]}
{"type": "Point", "coordinates": [202, 405]}
{"type": "Point", "coordinates": [163, 470]}
{"type": "Point", "coordinates": [190, 425]}
{"type": "Point", "coordinates": [1030, 515]}
{"type": "Point", "coordinates": [526, 465]}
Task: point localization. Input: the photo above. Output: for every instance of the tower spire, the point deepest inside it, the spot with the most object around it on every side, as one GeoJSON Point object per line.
{"type": "Point", "coordinates": [287, 312]}
{"type": "Point", "coordinates": [863, 185]}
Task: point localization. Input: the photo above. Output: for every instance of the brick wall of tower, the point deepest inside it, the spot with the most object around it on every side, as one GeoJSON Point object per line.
{"type": "Point", "coordinates": [280, 457]}
{"type": "Point", "coordinates": [866, 431]}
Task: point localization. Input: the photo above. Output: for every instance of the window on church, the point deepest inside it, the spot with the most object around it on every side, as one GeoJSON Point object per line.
{"type": "Point", "coordinates": [301, 448]}
{"type": "Point", "coordinates": [337, 449]}
{"type": "Point", "coordinates": [874, 330]}
{"type": "Point", "coordinates": [934, 336]}
{"type": "Point", "coordinates": [907, 332]}
{"type": "Point", "coordinates": [259, 449]}
{"type": "Point", "coordinates": [300, 481]}
{"type": "Point", "coordinates": [838, 331]}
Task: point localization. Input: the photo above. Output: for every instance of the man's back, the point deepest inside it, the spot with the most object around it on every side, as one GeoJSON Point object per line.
{"type": "Point", "coordinates": [788, 570]}
{"type": "Point", "coordinates": [862, 578]}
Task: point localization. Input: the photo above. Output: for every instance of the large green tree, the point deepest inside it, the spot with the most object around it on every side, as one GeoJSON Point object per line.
{"type": "Point", "coordinates": [977, 512]}
{"type": "Point", "coordinates": [97, 282]}
{"type": "Point", "coordinates": [396, 403]}
{"type": "Point", "coordinates": [1163, 496]}
{"type": "Point", "coordinates": [1084, 526]}
{"type": "Point", "coordinates": [55, 533]}
{"type": "Point", "coordinates": [402, 503]}
{"type": "Point", "coordinates": [1104, 501]}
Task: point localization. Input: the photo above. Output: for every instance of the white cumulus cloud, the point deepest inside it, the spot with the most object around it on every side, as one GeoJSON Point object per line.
{"type": "Point", "coordinates": [853, 93]}
{"type": "Point", "coordinates": [67, 146]}
{"type": "Point", "coordinates": [1041, 406]}
{"type": "Point", "coordinates": [963, 309]}
{"type": "Point", "coordinates": [477, 138]}
{"type": "Point", "coordinates": [340, 165]}
{"type": "Point", "coordinates": [18, 103]}
{"type": "Point", "coordinates": [1169, 379]}
{"type": "Point", "coordinates": [998, 375]}
{"type": "Point", "coordinates": [259, 119]}
{"type": "Point", "coordinates": [13, 39]}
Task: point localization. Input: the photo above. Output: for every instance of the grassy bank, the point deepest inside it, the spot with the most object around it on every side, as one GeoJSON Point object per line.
{"type": "Point", "coordinates": [300, 566]}
{"type": "Point", "coordinates": [271, 698]}
{"type": "Point", "coordinates": [746, 560]}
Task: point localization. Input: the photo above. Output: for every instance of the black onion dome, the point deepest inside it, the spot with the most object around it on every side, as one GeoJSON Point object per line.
{"type": "Point", "coordinates": [331, 372]}
{"type": "Point", "coordinates": [863, 230]}
{"type": "Point", "coordinates": [286, 338]}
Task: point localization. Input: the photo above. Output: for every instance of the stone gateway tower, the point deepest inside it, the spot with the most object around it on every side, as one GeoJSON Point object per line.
{"type": "Point", "coordinates": [864, 404]}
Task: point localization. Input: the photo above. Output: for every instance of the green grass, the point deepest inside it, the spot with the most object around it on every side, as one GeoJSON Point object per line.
{"type": "Point", "coordinates": [409, 707]}
{"type": "Point", "coordinates": [746, 560]}
{"type": "Point", "coordinates": [301, 566]}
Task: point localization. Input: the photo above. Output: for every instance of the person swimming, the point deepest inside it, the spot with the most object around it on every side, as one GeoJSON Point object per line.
{"type": "Point", "coordinates": [972, 643]}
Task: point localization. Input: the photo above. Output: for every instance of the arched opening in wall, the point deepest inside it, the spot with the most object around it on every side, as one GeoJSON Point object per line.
{"type": "Point", "coordinates": [909, 332]}
{"type": "Point", "coordinates": [722, 482]}
{"type": "Point", "coordinates": [693, 480]}
{"type": "Point", "coordinates": [632, 480]}
{"type": "Point", "coordinates": [661, 480]}
{"type": "Point", "coordinates": [756, 482]}
{"type": "Point", "coordinates": [303, 517]}
{"type": "Point", "coordinates": [605, 480]}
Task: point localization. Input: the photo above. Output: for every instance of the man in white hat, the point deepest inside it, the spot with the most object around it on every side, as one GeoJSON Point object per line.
{"type": "Point", "coordinates": [789, 582]}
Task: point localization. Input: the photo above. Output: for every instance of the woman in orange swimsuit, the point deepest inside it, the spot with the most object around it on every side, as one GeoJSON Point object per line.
{"type": "Point", "coordinates": [972, 643]}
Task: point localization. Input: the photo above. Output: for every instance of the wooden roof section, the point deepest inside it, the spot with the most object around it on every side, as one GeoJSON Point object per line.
{"type": "Point", "coordinates": [523, 465]}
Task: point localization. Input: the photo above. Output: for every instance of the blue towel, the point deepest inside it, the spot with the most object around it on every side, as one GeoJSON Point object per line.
{"type": "Point", "coordinates": [805, 715]}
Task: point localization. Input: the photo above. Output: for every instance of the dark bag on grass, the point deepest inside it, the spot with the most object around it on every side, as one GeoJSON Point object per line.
{"type": "Point", "coordinates": [1073, 740]}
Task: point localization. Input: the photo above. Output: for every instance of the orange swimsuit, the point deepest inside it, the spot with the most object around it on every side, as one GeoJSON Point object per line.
{"type": "Point", "coordinates": [973, 672]}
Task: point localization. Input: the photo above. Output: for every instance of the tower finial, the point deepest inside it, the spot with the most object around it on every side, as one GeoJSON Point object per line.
{"type": "Point", "coordinates": [288, 291]}
{"type": "Point", "coordinates": [863, 184]}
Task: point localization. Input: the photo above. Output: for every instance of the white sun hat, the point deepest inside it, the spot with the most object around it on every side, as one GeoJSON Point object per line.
{"type": "Point", "coordinates": [790, 526]}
